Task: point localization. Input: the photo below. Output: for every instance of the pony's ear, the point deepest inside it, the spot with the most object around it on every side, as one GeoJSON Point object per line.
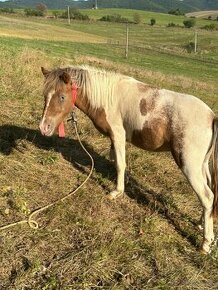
{"type": "Point", "coordinates": [65, 77]}
{"type": "Point", "coordinates": [45, 71]}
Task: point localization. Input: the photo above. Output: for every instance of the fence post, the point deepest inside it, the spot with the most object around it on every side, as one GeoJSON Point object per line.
{"type": "Point", "coordinates": [196, 41]}
{"type": "Point", "coordinates": [127, 40]}
{"type": "Point", "coordinates": [68, 14]}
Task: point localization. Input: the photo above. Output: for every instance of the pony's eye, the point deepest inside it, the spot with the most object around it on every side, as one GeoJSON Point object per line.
{"type": "Point", "coordinates": [62, 98]}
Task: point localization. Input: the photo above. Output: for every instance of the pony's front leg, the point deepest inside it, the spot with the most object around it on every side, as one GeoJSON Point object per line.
{"type": "Point", "coordinates": [201, 222]}
{"type": "Point", "coordinates": [119, 142]}
{"type": "Point", "coordinates": [112, 153]}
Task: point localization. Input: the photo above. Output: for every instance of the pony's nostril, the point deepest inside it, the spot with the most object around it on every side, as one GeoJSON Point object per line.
{"type": "Point", "coordinates": [47, 127]}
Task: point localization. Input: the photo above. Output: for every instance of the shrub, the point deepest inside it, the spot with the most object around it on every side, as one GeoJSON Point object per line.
{"type": "Point", "coordinates": [74, 14]}
{"type": "Point", "coordinates": [114, 18]}
{"type": "Point", "coordinates": [190, 47]}
{"type": "Point", "coordinates": [33, 12]}
{"type": "Point", "coordinates": [176, 12]}
{"type": "Point", "coordinates": [171, 24]}
{"type": "Point", "coordinates": [56, 13]}
{"type": "Point", "coordinates": [189, 23]}
{"type": "Point", "coordinates": [211, 27]}
{"type": "Point", "coordinates": [152, 21]}
{"type": "Point", "coordinates": [137, 18]}
{"type": "Point", "coordinates": [7, 10]}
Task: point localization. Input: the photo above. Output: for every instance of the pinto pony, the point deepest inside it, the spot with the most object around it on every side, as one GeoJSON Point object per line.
{"type": "Point", "coordinates": [152, 119]}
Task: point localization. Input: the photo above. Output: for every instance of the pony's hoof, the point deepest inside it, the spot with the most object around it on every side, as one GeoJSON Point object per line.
{"type": "Point", "coordinates": [207, 247]}
{"type": "Point", "coordinates": [200, 227]}
{"type": "Point", "coordinates": [114, 194]}
{"type": "Point", "coordinates": [204, 252]}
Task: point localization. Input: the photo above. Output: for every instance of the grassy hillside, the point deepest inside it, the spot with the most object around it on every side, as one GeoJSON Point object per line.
{"type": "Point", "coordinates": [145, 240]}
{"type": "Point", "coordinates": [154, 5]}
{"type": "Point", "coordinates": [204, 14]}
{"type": "Point", "coordinates": [161, 18]}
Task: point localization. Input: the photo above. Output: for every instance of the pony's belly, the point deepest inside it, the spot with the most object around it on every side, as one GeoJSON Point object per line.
{"type": "Point", "coordinates": [153, 137]}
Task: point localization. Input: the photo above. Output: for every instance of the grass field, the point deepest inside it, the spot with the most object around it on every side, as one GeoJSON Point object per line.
{"type": "Point", "coordinates": [161, 18]}
{"type": "Point", "coordinates": [145, 240]}
{"type": "Point", "coordinates": [204, 14]}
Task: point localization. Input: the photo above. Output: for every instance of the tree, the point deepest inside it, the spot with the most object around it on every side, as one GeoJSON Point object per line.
{"type": "Point", "coordinates": [32, 12]}
{"type": "Point", "coordinates": [41, 7]}
{"type": "Point", "coordinates": [74, 14]}
{"type": "Point", "coordinates": [152, 21]}
{"type": "Point", "coordinates": [176, 12]}
{"type": "Point", "coordinates": [189, 23]}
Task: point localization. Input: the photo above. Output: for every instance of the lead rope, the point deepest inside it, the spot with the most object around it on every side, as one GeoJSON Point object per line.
{"type": "Point", "coordinates": [33, 224]}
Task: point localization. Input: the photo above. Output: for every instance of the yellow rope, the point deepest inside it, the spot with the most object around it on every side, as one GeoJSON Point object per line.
{"type": "Point", "coordinates": [30, 221]}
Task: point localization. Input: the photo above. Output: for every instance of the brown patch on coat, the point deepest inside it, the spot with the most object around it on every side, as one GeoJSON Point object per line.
{"type": "Point", "coordinates": [98, 116]}
{"type": "Point", "coordinates": [177, 142]}
{"type": "Point", "coordinates": [147, 104]}
{"type": "Point", "coordinates": [143, 107]}
{"type": "Point", "coordinates": [154, 135]}
{"type": "Point", "coordinates": [176, 147]}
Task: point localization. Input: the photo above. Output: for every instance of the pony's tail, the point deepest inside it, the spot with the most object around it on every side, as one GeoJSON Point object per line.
{"type": "Point", "coordinates": [214, 168]}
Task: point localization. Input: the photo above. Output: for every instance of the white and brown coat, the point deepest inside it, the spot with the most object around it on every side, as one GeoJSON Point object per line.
{"type": "Point", "coordinates": [152, 119]}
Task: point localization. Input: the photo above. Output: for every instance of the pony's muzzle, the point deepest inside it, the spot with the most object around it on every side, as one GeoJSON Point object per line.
{"type": "Point", "coordinates": [46, 128]}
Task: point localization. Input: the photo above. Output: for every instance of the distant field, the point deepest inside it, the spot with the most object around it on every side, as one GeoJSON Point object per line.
{"type": "Point", "coordinates": [155, 48]}
{"type": "Point", "coordinates": [161, 18]}
{"type": "Point", "coordinates": [16, 27]}
{"type": "Point", "coordinates": [146, 240]}
{"type": "Point", "coordinates": [204, 14]}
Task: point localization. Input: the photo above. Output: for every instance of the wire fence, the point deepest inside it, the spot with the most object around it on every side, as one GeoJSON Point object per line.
{"type": "Point", "coordinates": [182, 50]}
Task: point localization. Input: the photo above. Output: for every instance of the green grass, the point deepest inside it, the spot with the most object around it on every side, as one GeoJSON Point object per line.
{"type": "Point", "coordinates": [146, 240]}
{"type": "Point", "coordinates": [161, 18]}
{"type": "Point", "coordinates": [154, 48]}
{"type": "Point", "coordinates": [168, 64]}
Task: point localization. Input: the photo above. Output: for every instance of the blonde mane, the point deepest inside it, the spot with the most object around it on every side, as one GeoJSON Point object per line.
{"type": "Point", "coordinates": [98, 85]}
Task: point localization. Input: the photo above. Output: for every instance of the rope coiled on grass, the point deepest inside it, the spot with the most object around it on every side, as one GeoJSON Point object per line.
{"type": "Point", "coordinates": [33, 224]}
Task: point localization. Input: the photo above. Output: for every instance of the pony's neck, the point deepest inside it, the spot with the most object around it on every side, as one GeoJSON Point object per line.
{"type": "Point", "coordinates": [82, 102]}
{"type": "Point", "coordinates": [97, 115]}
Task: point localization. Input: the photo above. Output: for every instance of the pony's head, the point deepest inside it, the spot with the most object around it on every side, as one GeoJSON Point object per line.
{"type": "Point", "coordinates": [58, 101]}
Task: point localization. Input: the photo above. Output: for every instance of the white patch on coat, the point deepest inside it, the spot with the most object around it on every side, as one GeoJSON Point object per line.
{"type": "Point", "coordinates": [48, 100]}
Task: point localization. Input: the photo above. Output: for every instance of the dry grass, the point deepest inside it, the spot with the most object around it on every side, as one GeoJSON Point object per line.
{"type": "Point", "coordinates": [27, 29]}
{"type": "Point", "coordinates": [203, 14]}
{"type": "Point", "coordinates": [145, 240]}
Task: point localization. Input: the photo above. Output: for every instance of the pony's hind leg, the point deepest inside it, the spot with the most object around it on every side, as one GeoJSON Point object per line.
{"type": "Point", "coordinates": [206, 171]}
{"type": "Point", "coordinates": [191, 151]}
{"type": "Point", "coordinates": [199, 184]}
{"type": "Point", "coordinates": [207, 176]}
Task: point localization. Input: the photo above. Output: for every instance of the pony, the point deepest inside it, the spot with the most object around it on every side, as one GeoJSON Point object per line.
{"type": "Point", "coordinates": [126, 109]}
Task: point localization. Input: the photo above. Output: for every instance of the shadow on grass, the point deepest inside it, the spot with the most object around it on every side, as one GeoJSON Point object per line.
{"type": "Point", "coordinates": [72, 152]}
